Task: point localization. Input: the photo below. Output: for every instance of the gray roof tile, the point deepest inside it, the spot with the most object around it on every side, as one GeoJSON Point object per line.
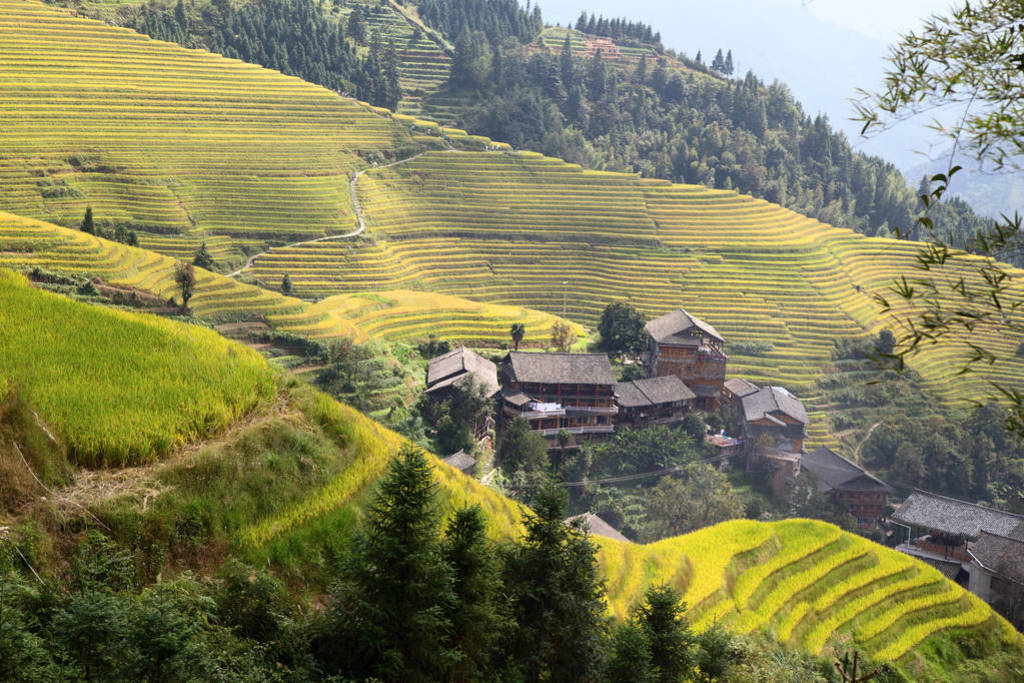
{"type": "Point", "coordinates": [456, 365]}
{"type": "Point", "coordinates": [598, 526]}
{"type": "Point", "coordinates": [952, 516]}
{"type": "Point", "coordinates": [666, 328]}
{"type": "Point", "coordinates": [654, 391]}
{"type": "Point", "coordinates": [560, 368]}
{"type": "Point", "coordinates": [740, 387]}
{"type": "Point", "coordinates": [1001, 555]}
{"type": "Point", "coordinates": [768, 400]}
{"type": "Point", "coordinates": [834, 471]}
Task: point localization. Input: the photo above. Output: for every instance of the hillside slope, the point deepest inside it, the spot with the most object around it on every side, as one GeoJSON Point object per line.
{"type": "Point", "coordinates": [517, 229]}
{"type": "Point", "coordinates": [396, 316]}
{"type": "Point", "coordinates": [121, 388]}
{"type": "Point", "coordinates": [529, 230]}
{"type": "Point", "coordinates": [167, 140]}
{"type": "Point", "coordinates": [287, 484]}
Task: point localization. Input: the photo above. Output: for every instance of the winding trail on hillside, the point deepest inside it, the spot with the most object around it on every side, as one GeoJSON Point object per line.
{"type": "Point", "coordinates": [866, 437]}
{"type": "Point", "coordinates": [355, 204]}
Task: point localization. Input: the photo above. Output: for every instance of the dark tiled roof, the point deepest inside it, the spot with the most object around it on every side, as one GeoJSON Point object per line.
{"type": "Point", "coordinates": [516, 398]}
{"type": "Point", "coordinates": [560, 368]}
{"type": "Point", "coordinates": [767, 400]}
{"type": "Point", "coordinates": [652, 391]}
{"type": "Point", "coordinates": [834, 472]}
{"type": "Point", "coordinates": [665, 328]}
{"type": "Point", "coordinates": [953, 516]}
{"type": "Point", "coordinates": [628, 395]}
{"type": "Point", "coordinates": [1000, 554]}
{"type": "Point", "coordinates": [740, 387]}
{"type": "Point", "coordinates": [454, 366]}
{"type": "Point", "coordinates": [461, 460]}
{"type": "Point", "coordinates": [704, 391]}
{"type": "Point", "coordinates": [598, 526]}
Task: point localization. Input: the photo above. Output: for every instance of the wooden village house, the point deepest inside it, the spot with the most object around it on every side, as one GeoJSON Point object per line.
{"type": "Point", "coordinates": [774, 421]}
{"type": "Point", "coordinates": [458, 369]}
{"type": "Point", "coordinates": [655, 400]}
{"type": "Point", "coordinates": [997, 574]}
{"type": "Point", "coordinates": [735, 388]}
{"type": "Point", "coordinates": [848, 484]}
{"type": "Point", "coordinates": [683, 345]}
{"type": "Point", "coordinates": [977, 546]}
{"type": "Point", "coordinates": [774, 429]}
{"type": "Point", "coordinates": [940, 527]}
{"type": "Point", "coordinates": [556, 391]}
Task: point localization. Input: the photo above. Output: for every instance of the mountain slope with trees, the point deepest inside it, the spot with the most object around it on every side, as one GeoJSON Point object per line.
{"type": "Point", "coordinates": [666, 116]}
{"type": "Point", "coordinates": [285, 489]}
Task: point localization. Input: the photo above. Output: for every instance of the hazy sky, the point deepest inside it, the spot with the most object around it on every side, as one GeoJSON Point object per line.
{"type": "Point", "coordinates": [882, 20]}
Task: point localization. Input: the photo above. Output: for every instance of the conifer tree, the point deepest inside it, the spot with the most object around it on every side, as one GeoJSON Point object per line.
{"type": "Point", "coordinates": [557, 596]}
{"type": "Point", "coordinates": [202, 258]}
{"type": "Point", "coordinates": [286, 284]}
{"type": "Point", "coordinates": [87, 222]}
{"type": "Point", "coordinates": [661, 617]}
{"type": "Point", "coordinates": [718, 63]}
{"type": "Point", "coordinates": [727, 66]}
{"type": "Point", "coordinates": [390, 617]}
{"type": "Point", "coordinates": [565, 60]}
{"type": "Point", "coordinates": [479, 612]}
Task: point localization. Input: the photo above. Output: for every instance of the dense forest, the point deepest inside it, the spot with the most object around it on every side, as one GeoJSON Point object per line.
{"type": "Point", "coordinates": [419, 595]}
{"type": "Point", "coordinates": [689, 127]}
{"type": "Point", "coordinates": [618, 29]}
{"type": "Point", "coordinates": [667, 117]}
{"type": "Point", "coordinates": [497, 19]}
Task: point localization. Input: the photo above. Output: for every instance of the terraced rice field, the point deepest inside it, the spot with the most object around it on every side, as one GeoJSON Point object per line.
{"type": "Point", "coordinates": [424, 66]}
{"type": "Point", "coordinates": [404, 315]}
{"type": "Point", "coordinates": [512, 228]}
{"type": "Point", "coordinates": [121, 388]}
{"type": "Point", "coordinates": [392, 316]}
{"type": "Point", "coordinates": [585, 46]}
{"type": "Point", "coordinates": [168, 140]}
{"type": "Point", "coordinates": [805, 581]}
{"type": "Point", "coordinates": [27, 243]}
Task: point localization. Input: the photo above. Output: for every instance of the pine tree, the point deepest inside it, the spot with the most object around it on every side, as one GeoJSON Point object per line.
{"type": "Point", "coordinates": [670, 642]}
{"type": "Point", "coordinates": [727, 66]}
{"type": "Point", "coordinates": [202, 258]}
{"type": "Point", "coordinates": [390, 616]}
{"type": "Point", "coordinates": [565, 60]}
{"type": "Point", "coordinates": [479, 614]}
{"type": "Point", "coordinates": [286, 284]}
{"type": "Point", "coordinates": [557, 596]}
{"type": "Point", "coordinates": [87, 222]}
{"type": "Point", "coordinates": [698, 58]}
{"type": "Point", "coordinates": [641, 70]}
{"type": "Point", "coordinates": [718, 63]}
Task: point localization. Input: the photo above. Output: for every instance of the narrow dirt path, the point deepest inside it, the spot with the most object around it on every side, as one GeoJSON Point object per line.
{"type": "Point", "coordinates": [355, 204]}
{"type": "Point", "coordinates": [867, 436]}
{"type": "Point", "coordinates": [92, 486]}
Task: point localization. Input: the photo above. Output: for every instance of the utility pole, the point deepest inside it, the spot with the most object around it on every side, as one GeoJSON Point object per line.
{"type": "Point", "coordinates": [565, 284]}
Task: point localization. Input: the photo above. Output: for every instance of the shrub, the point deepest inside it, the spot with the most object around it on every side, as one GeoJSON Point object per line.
{"type": "Point", "coordinates": [752, 348]}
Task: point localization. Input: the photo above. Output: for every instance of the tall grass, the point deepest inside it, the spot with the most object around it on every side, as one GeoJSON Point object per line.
{"type": "Point", "coordinates": [122, 388]}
